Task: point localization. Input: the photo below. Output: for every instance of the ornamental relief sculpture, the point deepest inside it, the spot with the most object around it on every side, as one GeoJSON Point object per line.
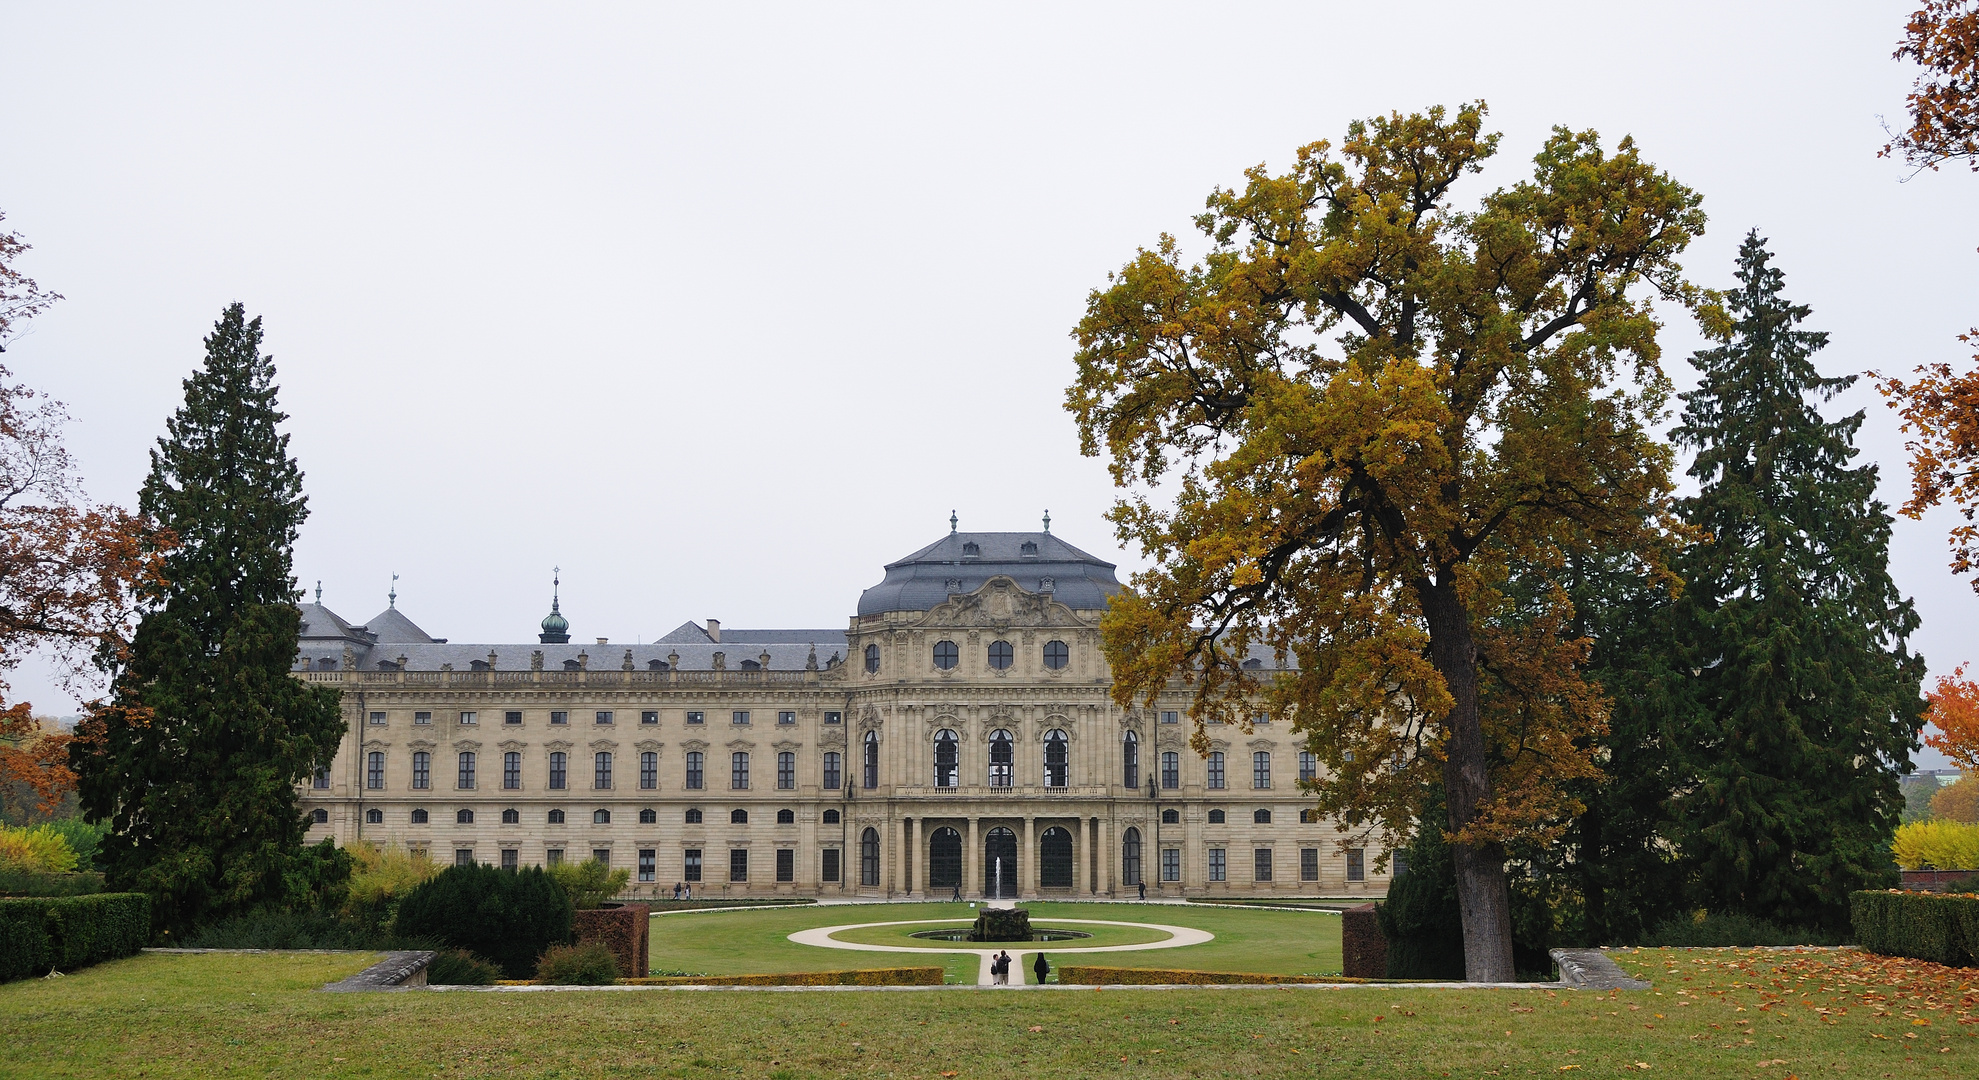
{"type": "Point", "coordinates": [999, 603]}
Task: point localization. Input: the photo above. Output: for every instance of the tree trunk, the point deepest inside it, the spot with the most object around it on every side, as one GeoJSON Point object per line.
{"type": "Point", "coordinates": [1483, 900]}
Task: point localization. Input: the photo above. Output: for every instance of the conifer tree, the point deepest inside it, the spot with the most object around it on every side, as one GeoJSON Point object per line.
{"type": "Point", "coordinates": [196, 760]}
{"type": "Point", "coordinates": [1805, 699]}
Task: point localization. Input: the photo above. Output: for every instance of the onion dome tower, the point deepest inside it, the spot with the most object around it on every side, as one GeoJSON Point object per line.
{"type": "Point", "coordinates": [556, 628]}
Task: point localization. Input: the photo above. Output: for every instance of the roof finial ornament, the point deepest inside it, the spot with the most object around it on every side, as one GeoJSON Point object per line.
{"type": "Point", "coordinates": [319, 591]}
{"type": "Point", "coordinates": [1047, 521]}
{"type": "Point", "coordinates": [556, 586]}
{"type": "Point", "coordinates": [952, 522]}
{"type": "Point", "coordinates": [392, 598]}
{"type": "Point", "coordinates": [556, 628]}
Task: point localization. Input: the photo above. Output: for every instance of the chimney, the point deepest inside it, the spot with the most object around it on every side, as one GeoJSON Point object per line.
{"type": "Point", "coordinates": [604, 641]}
{"type": "Point", "coordinates": [715, 631]}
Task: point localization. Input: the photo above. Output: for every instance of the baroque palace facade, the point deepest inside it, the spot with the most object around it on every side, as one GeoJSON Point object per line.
{"type": "Point", "coordinates": [958, 734]}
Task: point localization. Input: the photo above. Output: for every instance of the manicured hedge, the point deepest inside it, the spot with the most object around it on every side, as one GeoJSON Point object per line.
{"type": "Point", "coordinates": [1943, 929]}
{"type": "Point", "coordinates": [40, 883]}
{"type": "Point", "coordinates": [63, 933]}
{"type": "Point", "coordinates": [1080, 975]}
{"type": "Point", "coordinates": [507, 917]}
{"type": "Point", "coordinates": [907, 976]}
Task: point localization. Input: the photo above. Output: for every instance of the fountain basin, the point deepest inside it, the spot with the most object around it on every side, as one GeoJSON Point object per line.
{"type": "Point", "coordinates": [965, 933]}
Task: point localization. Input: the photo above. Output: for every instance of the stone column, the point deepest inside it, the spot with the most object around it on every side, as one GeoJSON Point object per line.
{"type": "Point", "coordinates": [915, 861]}
{"type": "Point", "coordinates": [888, 840]}
{"type": "Point", "coordinates": [1105, 855]}
{"type": "Point", "coordinates": [1027, 858]}
{"type": "Point", "coordinates": [972, 862]}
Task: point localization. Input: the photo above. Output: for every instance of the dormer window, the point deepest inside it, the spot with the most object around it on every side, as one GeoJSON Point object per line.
{"type": "Point", "coordinates": [656, 665]}
{"type": "Point", "coordinates": [570, 665]}
{"type": "Point", "coordinates": [1030, 547]}
{"type": "Point", "coordinates": [478, 665]}
{"type": "Point", "coordinates": [971, 550]}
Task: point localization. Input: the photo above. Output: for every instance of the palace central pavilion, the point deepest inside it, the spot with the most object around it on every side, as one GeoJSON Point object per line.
{"type": "Point", "coordinates": [956, 734]}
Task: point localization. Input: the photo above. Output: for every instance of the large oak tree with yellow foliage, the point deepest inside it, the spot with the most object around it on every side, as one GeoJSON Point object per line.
{"type": "Point", "coordinates": [1348, 426]}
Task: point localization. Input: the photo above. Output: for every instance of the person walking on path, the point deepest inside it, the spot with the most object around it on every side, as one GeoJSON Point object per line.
{"type": "Point", "coordinates": [1041, 968]}
{"type": "Point", "coordinates": [1144, 889]}
{"type": "Point", "coordinates": [1003, 969]}
{"type": "Point", "coordinates": [958, 894]}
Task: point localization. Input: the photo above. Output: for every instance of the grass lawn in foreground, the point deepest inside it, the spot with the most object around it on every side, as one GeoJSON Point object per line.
{"type": "Point", "coordinates": [1713, 1013]}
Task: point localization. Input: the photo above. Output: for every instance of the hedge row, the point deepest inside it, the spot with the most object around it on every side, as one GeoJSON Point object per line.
{"type": "Point", "coordinates": [1079, 975]}
{"type": "Point", "coordinates": [905, 976]}
{"type": "Point", "coordinates": [41, 883]}
{"type": "Point", "coordinates": [1943, 929]}
{"type": "Point", "coordinates": [63, 933]}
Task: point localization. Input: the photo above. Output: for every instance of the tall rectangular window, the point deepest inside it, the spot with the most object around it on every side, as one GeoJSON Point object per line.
{"type": "Point", "coordinates": [832, 761]}
{"type": "Point", "coordinates": [1261, 864]}
{"type": "Point", "coordinates": [322, 780]}
{"type": "Point", "coordinates": [1398, 862]}
{"type": "Point", "coordinates": [829, 870]}
{"type": "Point", "coordinates": [691, 864]}
{"type": "Point", "coordinates": [604, 716]}
{"type": "Point", "coordinates": [738, 864]}
{"type": "Point", "coordinates": [422, 770]}
{"type": "Point", "coordinates": [1356, 864]}
{"type": "Point", "coordinates": [559, 717]}
{"type": "Point", "coordinates": [650, 716]}
{"type": "Point", "coordinates": [1217, 868]}
{"type": "Point", "coordinates": [738, 771]}
{"type": "Point", "coordinates": [739, 716]}
{"type": "Point", "coordinates": [1215, 769]}
{"type": "Point", "coordinates": [512, 770]}
{"type": "Point", "coordinates": [649, 770]}
{"type": "Point", "coordinates": [374, 770]}
{"type": "Point", "coordinates": [697, 718]}
{"type": "Point", "coordinates": [464, 856]}
{"type": "Point", "coordinates": [1261, 770]}
{"type": "Point", "coordinates": [1308, 765]}
{"type": "Point", "coordinates": [694, 780]}
{"type": "Point", "coordinates": [553, 856]}
{"type": "Point", "coordinates": [646, 861]}
{"type": "Point", "coordinates": [601, 856]}
{"type": "Point", "coordinates": [786, 717]}
{"type": "Point", "coordinates": [559, 770]}
{"type": "Point", "coordinates": [466, 780]}
{"type": "Point", "coordinates": [511, 858]}
{"type": "Point", "coordinates": [786, 771]}
{"type": "Point", "coordinates": [513, 716]}
{"type": "Point", "coordinates": [1309, 864]}
{"type": "Point", "coordinates": [378, 719]}
{"type": "Point", "coordinates": [786, 864]}
{"type": "Point", "coordinates": [1171, 770]}
{"type": "Point", "coordinates": [1130, 763]}
{"type": "Point", "coordinates": [1171, 864]}
{"type": "Point", "coordinates": [601, 770]}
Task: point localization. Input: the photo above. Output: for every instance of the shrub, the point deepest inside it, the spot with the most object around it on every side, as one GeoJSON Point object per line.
{"type": "Point", "coordinates": [379, 878]}
{"type": "Point", "coordinates": [457, 967]}
{"type": "Point", "coordinates": [1923, 926]}
{"type": "Point", "coordinates": [589, 883]}
{"type": "Point", "coordinates": [1002, 924]}
{"type": "Point", "coordinates": [42, 849]}
{"type": "Point", "coordinates": [589, 964]}
{"type": "Point", "coordinates": [1733, 930]}
{"type": "Point", "coordinates": [506, 916]}
{"type": "Point", "coordinates": [63, 933]}
{"type": "Point", "coordinates": [1943, 845]}
{"type": "Point", "coordinates": [36, 883]}
{"type": "Point", "coordinates": [1958, 801]}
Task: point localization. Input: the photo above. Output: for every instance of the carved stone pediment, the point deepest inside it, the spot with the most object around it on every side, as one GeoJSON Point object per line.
{"type": "Point", "coordinates": [648, 744]}
{"type": "Point", "coordinates": [467, 746]}
{"type": "Point", "coordinates": [1261, 744]}
{"type": "Point", "coordinates": [512, 744]}
{"type": "Point", "coordinates": [1170, 737]}
{"type": "Point", "coordinates": [786, 744]}
{"type": "Point", "coordinates": [740, 744]}
{"type": "Point", "coordinates": [603, 744]}
{"type": "Point", "coordinates": [999, 603]}
{"type": "Point", "coordinates": [832, 736]}
{"type": "Point", "coordinates": [559, 744]}
{"type": "Point", "coordinates": [421, 744]}
{"type": "Point", "coordinates": [694, 744]}
{"type": "Point", "coordinates": [1219, 744]}
{"type": "Point", "coordinates": [377, 744]}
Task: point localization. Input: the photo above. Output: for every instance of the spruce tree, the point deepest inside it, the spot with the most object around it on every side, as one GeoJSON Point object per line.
{"type": "Point", "coordinates": [1805, 701]}
{"type": "Point", "coordinates": [196, 760]}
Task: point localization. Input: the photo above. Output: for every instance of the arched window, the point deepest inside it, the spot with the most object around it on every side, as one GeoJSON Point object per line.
{"type": "Point", "coordinates": [872, 750]}
{"type": "Point", "coordinates": [1130, 761]}
{"type": "Point", "coordinates": [1216, 817]}
{"type": "Point", "coordinates": [465, 780]}
{"type": "Point", "coordinates": [738, 817]}
{"type": "Point", "coordinates": [1171, 817]}
{"type": "Point", "coordinates": [601, 817]}
{"type": "Point", "coordinates": [559, 771]}
{"type": "Point", "coordinates": [320, 816]}
{"type": "Point", "coordinates": [1055, 859]}
{"type": "Point", "coordinates": [1003, 759]}
{"type": "Point", "coordinates": [738, 771]}
{"type": "Point", "coordinates": [1056, 772]}
{"type": "Point", "coordinates": [511, 816]}
{"type": "Point", "coordinates": [696, 777]}
{"type": "Point", "coordinates": [649, 770]}
{"type": "Point", "coordinates": [422, 770]}
{"type": "Point", "coordinates": [649, 817]}
{"type": "Point", "coordinates": [374, 817]}
{"type": "Point", "coordinates": [786, 771]}
{"type": "Point", "coordinates": [1261, 817]}
{"type": "Point", "coordinates": [1056, 655]}
{"type": "Point", "coordinates": [831, 817]}
{"type": "Point", "coordinates": [1130, 857]}
{"type": "Point", "coordinates": [872, 659]}
{"type": "Point", "coordinates": [999, 655]}
{"type": "Point", "coordinates": [419, 817]}
{"type": "Point", "coordinates": [556, 817]}
{"type": "Point", "coordinates": [601, 771]}
{"type": "Point", "coordinates": [1214, 770]}
{"type": "Point", "coordinates": [944, 861]}
{"type": "Point", "coordinates": [945, 655]}
{"type": "Point", "coordinates": [1261, 770]}
{"type": "Point", "coordinates": [786, 817]}
{"type": "Point", "coordinates": [947, 759]}
{"type": "Point", "coordinates": [694, 817]}
{"type": "Point", "coordinates": [1308, 817]}
{"type": "Point", "coordinates": [869, 857]}
{"type": "Point", "coordinates": [832, 778]}
{"type": "Point", "coordinates": [374, 770]}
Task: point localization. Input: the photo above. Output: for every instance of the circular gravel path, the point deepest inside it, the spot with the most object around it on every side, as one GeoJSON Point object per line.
{"type": "Point", "coordinates": [1179, 936]}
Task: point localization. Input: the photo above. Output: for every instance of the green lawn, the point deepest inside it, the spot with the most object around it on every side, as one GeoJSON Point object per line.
{"type": "Point", "coordinates": [1713, 1013]}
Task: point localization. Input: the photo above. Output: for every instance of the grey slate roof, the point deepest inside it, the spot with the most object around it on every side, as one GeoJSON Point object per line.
{"type": "Point", "coordinates": [693, 633]}
{"type": "Point", "coordinates": [320, 624]}
{"type": "Point", "coordinates": [390, 626]}
{"type": "Point", "coordinates": [515, 657]}
{"type": "Point", "coordinates": [929, 576]}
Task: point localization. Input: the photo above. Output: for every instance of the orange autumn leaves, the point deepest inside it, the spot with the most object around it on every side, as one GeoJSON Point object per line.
{"type": "Point", "coordinates": [1955, 713]}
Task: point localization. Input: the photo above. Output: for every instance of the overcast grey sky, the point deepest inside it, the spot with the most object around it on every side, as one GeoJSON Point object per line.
{"type": "Point", "coordinates": [720, 307]}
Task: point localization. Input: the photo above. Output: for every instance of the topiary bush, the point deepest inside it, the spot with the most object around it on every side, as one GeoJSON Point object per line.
{"type": "Point", "coordinates": [63, 933]}
{"type": "Point", "coordinates": [1002, 924]}
{"type": "Point", "coordinates": [589, 964]}
{"type": "Point", "coordinates": [506, 916]}
{"type": "Point", "coordinates": [1924, 926]}
{"type": "Point", "coordinates": [457, 967]}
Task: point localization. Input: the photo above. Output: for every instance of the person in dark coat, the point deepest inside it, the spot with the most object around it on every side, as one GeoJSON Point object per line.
{"type": "Point", "coordinates": [1041, 968]}
{"type": "Point", "coordinates": [1144, 889]}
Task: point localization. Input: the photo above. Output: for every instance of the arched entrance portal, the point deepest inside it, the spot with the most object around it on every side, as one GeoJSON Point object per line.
{"type": "Point", "coordinates": [1000, 877]}
{"type": "Point", "coordinates": [944, 861]}
{"type": "Point", "coordinates": [1055, 859]}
